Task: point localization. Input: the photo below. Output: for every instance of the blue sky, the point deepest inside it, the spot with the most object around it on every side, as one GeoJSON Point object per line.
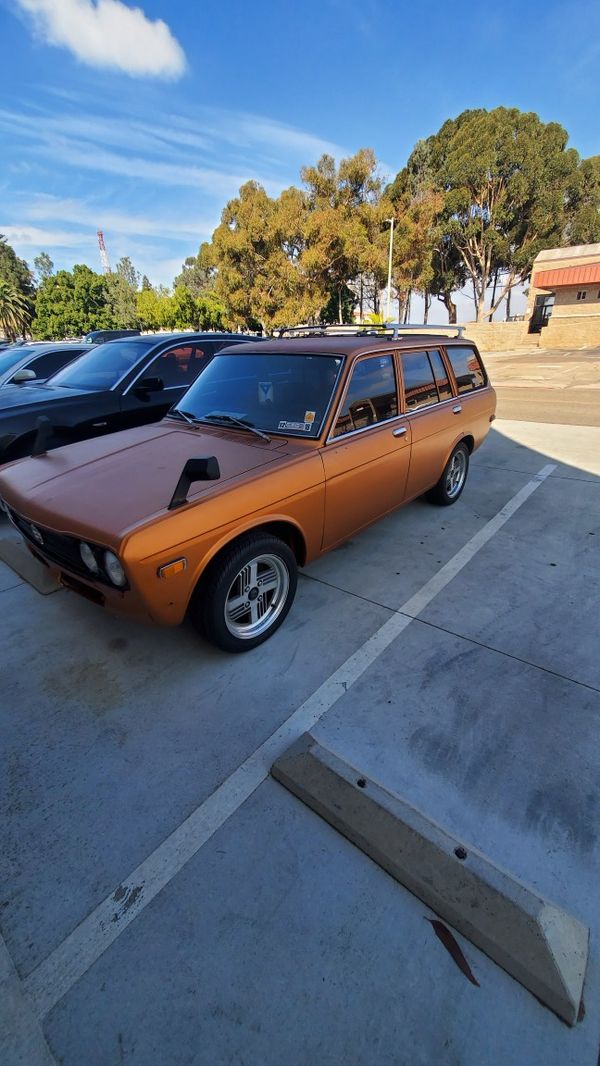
{"type": "Point", "coordinates": [143, 122]}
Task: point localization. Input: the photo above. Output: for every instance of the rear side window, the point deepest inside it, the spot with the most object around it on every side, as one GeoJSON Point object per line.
{"type": "Point", "coordinates": [467, 368]}
{"type": "Point", "coordinates": [441, 375]}
{"type": "Point", "coordinates": [371, 395]}
{"type": "Point", "coordinates": [420, 389]}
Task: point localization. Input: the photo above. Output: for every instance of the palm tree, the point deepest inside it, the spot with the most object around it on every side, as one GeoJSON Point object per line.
{"type": "Point", "coordinates": [15, 312]}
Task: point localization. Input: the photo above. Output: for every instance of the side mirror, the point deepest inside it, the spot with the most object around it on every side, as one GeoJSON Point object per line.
{"type": "Point", "coordinates": [22, 376]}
{"type": "Point", "coordinates": [146, 385]}
{"type": "Point", "coordinates": [204, 468]}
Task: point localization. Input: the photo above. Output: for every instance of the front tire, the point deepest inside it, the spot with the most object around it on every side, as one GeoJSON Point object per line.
{"type": "Point", "coordinates": [453, 479]}
{"type": "Point", "coordinates": [247, 592]}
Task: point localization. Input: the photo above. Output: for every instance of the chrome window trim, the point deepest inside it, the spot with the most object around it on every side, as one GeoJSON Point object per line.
{"type": "Point", "coordinates": [364, 429]}
{"type": "Point", "coordinates": [432, 406]}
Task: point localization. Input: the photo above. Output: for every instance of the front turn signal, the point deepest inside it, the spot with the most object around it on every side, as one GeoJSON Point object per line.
{"type": "Point", "coordinates": [171, 569]}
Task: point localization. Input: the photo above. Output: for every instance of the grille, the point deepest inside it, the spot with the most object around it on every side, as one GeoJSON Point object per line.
{"type": "Point", "coordinates": [57, 547]}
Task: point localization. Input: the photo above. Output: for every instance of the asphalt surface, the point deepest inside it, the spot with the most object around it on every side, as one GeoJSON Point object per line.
{"type": "Point", "coordinates": [165, 902]}
{"type": "Point", "coordinates": [561, 387]}
{"type": "Point", "coordinates": [541, 404]}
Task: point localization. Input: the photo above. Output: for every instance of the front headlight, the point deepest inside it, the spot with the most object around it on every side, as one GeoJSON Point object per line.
{"type": "Point", "coordinates": [114, 569]}
{"type": "Point", "coordinates": [88, 558]}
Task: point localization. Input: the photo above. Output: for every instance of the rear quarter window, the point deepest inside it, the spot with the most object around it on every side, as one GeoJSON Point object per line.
{"type": "Point", "coordinates": [467, 367]}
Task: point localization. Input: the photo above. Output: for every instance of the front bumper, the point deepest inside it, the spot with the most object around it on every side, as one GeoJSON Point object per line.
{"type": "Point", "coordinates": [127, 603]}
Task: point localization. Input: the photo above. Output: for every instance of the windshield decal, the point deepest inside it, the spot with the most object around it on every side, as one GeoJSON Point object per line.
{"type": "Point", "coordinates": [300, 427]}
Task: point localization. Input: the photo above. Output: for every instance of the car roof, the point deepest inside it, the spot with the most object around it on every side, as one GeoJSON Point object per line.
{"type": "Point", "coordinates": [349, 344]}
{"type": "Point", "coordinates": [150, 339]}
{"type": "Point", "coordinates": [54, 346]}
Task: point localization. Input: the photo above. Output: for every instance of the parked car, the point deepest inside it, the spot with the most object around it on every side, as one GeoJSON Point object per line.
{"type": "Point", "coordinates": [37, 362]}
{"type": "Point", "coordinates": [278, 452]}
{"type": "Point", "coordinates": [100, 336]}
{"type": "Point", "coordinates": [121, 383]}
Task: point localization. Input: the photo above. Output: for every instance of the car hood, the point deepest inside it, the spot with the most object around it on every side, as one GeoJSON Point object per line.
{"type": "Point", "coordinates": [24, 395]}
{"type": "Point", "coordinates": [114, 483]}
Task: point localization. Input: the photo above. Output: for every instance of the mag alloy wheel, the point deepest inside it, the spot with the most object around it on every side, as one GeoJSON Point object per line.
{"type": "Point", "coordinates": [256, 597]}
{"type": "Point", "coordinates": [456, 474]}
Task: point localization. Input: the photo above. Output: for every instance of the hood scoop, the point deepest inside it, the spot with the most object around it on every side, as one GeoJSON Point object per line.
{"type": "Point", "coordinates": [204, 468]}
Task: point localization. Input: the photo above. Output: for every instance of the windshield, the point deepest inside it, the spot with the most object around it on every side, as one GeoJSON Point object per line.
{"type": "Point", "coordinates": [10, 356]}
{"type": "Point", "coordinates": [278, 392]}
{"type": "Point", "coordinates": [102, 368]}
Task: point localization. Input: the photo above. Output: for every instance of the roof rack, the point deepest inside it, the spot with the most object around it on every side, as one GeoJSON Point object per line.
{"type": "Point", "coordinates": [376, 329]}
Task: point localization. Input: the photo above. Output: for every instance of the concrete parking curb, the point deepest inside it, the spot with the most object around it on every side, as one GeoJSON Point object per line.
{"type": "Point", "coordinates": [21, 560]}
{"type": "Point", "coordinates": [536, 942]}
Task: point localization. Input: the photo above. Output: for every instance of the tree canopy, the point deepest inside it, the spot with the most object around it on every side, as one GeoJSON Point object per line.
{"type": "Point", "coordinates": [472, 207]}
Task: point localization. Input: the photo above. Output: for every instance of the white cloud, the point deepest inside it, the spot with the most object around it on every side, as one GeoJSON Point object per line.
{"type": "Point", "coordinates": [109, 34]}
{"type": "Point", "coordinates": [36, 237]}
{"type": "Point", "coordinates": [43, 207]}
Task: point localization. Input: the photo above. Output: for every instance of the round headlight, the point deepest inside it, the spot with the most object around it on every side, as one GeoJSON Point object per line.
{"type": "Point", "coordinates": [114, 569]}
{"type": "Point", "coordinates": [88, 558]}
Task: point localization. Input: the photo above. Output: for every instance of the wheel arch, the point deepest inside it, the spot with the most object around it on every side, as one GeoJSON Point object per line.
{"type": "Point", "coordinates": [285, 528]}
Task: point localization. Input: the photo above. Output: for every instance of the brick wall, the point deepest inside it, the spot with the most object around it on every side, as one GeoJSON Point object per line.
{"type": "Point", "coordinates": [573, 331]}
{"type": "Point", "coordinates": [499, 336]}
{"type": "Point", "coordinates": [567, 304]}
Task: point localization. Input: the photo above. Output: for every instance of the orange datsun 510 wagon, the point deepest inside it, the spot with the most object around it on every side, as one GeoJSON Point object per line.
{"type": "Point", "coordinates": [278, 452]}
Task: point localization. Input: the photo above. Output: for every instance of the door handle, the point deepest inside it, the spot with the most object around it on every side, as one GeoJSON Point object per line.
{"type": "Point", "coordinates": [456, 410]}
{"type": "Point", "coordinates": [399, 432]}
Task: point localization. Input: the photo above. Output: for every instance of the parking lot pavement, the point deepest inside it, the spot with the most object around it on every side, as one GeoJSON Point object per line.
{"type": "Point", "coordinates": [548, 385]}
{"type": "Point", "coordinates": [277, 940]}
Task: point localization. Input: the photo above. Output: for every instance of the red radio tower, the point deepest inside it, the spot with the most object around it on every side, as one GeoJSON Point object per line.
{"type": "Point", "coordinates": [103, 253]}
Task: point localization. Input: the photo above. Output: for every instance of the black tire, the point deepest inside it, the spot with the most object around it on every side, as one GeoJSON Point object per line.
{"type": "Point", "coordinates": [209, 609]}
{"type": "Point", "coordinates": [442, 493]}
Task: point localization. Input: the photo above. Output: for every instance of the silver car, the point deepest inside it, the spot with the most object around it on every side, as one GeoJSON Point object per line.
{"type": "Point", "coordinates": [32, 363]}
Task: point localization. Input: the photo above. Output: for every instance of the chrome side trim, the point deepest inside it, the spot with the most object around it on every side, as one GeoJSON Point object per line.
{"type": "Point", "coordinates": [364, 429]}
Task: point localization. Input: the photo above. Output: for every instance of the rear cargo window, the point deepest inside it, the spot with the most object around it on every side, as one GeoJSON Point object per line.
{"type": "Point", "coordinates": [467, 368]}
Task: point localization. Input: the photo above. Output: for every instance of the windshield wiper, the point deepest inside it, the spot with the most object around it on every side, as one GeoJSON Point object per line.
{"type": "Point", "coordinates": [231, 419]}
{"type": "Point", "coordinates": [176, 413]}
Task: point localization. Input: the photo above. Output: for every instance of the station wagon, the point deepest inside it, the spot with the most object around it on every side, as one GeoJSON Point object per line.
{"type": "Point", "coordinates": [279, 452]}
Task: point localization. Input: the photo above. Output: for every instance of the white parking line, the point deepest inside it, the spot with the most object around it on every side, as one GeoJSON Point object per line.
{"type": "Point", "coordinates": [53, 978]}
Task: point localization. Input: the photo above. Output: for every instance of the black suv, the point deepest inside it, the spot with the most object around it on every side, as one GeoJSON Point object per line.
{"type": "Point", "coordinates": [99, 336]}
{"type": "Point", "coordinates": [119, 384]}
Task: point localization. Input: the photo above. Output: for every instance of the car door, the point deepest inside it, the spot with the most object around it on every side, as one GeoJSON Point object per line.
{"type": "Point", "coordinates": [431, 411]}
{"type": "Point", "coordinates": [366, 457]}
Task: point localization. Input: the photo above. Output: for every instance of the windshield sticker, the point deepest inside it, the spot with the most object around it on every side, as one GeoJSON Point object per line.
{"type": "Point", "coordinates": [301, 427]}
{"type": "Point", "coordinates": [309, 416]}
{"type": "Point", "coordinates": [265, 392]}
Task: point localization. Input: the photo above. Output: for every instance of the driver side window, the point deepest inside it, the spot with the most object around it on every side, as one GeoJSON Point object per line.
{"type": "Point", "coordinates": [178, 366]}
{"type": "Point", "coordinates": [371, 396]}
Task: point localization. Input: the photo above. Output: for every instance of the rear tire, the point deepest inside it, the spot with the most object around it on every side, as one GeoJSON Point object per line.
{"type": "Point", "coordinates": [452, 482]}
{"type": "Point", "coordinates": [247, 592]}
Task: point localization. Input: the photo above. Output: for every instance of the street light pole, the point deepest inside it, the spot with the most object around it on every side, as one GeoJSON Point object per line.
{"type": "Point", "coordinates": [389, 284]}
